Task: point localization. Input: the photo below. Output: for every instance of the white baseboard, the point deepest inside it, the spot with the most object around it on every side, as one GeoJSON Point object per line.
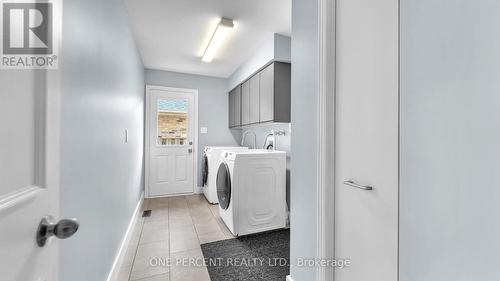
{"type": "Point", "coordinates": [289, 278]}
{"type": "Point", "coordinates": [120, 255]}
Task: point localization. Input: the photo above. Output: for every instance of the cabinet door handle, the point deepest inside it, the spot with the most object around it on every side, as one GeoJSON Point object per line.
{"type": "Point", "coordinates": [356, 185]}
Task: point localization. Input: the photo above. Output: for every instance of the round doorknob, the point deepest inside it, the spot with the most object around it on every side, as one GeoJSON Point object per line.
{"type": "Point", "coordinates": [63, 229]}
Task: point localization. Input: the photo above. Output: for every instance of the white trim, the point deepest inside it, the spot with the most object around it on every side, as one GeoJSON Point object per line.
{"type": "Point", "coordinates": [289, 278]}
{"type": "Point", "coordinates": [171, 195]}
{"type": "Point", "coordinates": [52, 140]}
{"type": "Point", "coordinates": [326, 136]}
{"type": "Point", "coordinates": [198, 190]}
{"type": "Point", "coordinates": [18, 197]}
{"type": "Point", "coordinates": [120, 255]}
{"type": "Point", "coordinates": [195, 146]}
{"type": "Point", "coordinates": [147, 140]}
{"type": "Point", "coordinates": [146, 143]}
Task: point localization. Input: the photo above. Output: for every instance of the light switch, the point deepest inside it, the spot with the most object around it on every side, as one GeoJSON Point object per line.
{"type": "Point", "coordinates": [203, 130]}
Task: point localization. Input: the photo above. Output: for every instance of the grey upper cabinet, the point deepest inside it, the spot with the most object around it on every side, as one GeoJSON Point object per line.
{"type": "Point", "coordinates": [231, 109]}
{"type": "Point", "coordinates": [275, 88]}
{"type": "Point", "coordinates": [235, 107]}
{"type": "Point", "coordinates": [245, 103]}
{"type": "Point", "coordinates": [267, 94]}
{"type": "Point", "coordinates": [265, 97]}
{"type": "Point", "coordinates": [255, 99]}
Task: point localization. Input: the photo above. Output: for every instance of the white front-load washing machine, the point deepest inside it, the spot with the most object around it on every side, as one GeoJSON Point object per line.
{"type": "Point", "coordinates": [211, 161]}
{"type": "Point", "coordinates": [251, 188]}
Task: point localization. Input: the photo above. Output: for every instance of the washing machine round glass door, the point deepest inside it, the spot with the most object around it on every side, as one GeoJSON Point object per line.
{"type": "Point", "coordinates": [205, 170]}
{"type": "Point", "coordinates": [223, 186]}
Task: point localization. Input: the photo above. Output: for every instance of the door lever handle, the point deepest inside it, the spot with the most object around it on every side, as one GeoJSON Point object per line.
{"type": "Point", "coordinates": [356, 185]}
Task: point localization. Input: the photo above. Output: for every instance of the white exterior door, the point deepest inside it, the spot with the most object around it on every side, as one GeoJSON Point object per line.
{"type": "Point", "coordinates": [29, 172]}
{"type": "Point", "coordinates": [366, 149]}
{"type": "Point", "coordinates": [171, 141]}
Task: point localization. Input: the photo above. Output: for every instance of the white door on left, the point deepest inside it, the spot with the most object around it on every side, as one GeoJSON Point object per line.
{"type": "Point", "coordinates": [29, 173]}
{"type": "Point", "coordinates": [171, 121]}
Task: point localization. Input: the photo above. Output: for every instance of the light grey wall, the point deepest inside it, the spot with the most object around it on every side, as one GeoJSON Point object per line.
{"type": "Point", "coordinates": [212, 106]}
{"type": "Point", "coordinates": [305, 92]}
{"type": "Point", "coordinates": [103, 94]}
{"type": "Point", "coordinates": [450, 137]}
{"type": "Point", "coordinates": [282, 48]}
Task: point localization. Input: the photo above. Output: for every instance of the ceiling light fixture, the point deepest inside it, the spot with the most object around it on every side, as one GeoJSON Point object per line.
{"type": "Point", "coordinates": [222, 30]}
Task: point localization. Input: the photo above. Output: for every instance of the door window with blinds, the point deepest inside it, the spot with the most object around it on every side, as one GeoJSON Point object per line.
{"type": "Point", "coordinates": [172, 122]}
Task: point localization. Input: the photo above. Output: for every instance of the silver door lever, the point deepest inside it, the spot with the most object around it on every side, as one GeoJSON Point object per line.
{"type": "Point", "coordinates": [356, 185]}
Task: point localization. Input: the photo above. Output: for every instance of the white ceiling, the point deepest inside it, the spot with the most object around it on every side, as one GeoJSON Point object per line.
{"type": "Point", "coordinates": [172, 34]}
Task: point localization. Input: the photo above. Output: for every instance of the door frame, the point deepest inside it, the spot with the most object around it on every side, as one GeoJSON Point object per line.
{"type": "Point", "coordinates": [325, 153]}
{"type": "Point", "coordinates": [193, 92]}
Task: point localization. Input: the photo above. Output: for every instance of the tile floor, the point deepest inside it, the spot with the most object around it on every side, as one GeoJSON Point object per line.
{"type": "Point", "coordinates": [176, 228]}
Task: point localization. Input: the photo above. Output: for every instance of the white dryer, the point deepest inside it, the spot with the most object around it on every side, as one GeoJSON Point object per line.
{"type": "Point", "coordinates": [211, 161]}
{"type": "Point", "coordinates": [251, 188]}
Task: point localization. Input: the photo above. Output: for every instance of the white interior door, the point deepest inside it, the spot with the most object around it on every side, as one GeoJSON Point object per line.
{"type": "Point", "coordinates": [366, 149]}
{"type": "Point", "coordinates": [172, 120]}
{"type": "Point", "coordinates": [29, 172]}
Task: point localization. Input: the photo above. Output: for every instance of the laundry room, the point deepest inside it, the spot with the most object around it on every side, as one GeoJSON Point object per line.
{"type": "Point", "coordinates": [218, 134]}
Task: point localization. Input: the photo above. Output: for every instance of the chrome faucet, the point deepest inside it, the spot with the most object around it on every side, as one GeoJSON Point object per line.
{"type": "Point", "coordinates": [254, 138]}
